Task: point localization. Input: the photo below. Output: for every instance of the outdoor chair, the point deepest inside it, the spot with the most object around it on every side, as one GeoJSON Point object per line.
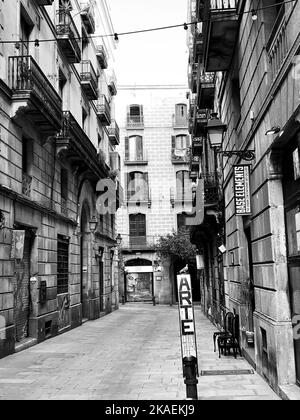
{"type": "Point", "coordinates": [231, 340]}
{"type": "Point", "coordinates": [226, 327]}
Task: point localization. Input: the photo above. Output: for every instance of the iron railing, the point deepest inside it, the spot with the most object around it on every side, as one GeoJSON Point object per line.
{"type": "Point", "coordinates": [88, 74]}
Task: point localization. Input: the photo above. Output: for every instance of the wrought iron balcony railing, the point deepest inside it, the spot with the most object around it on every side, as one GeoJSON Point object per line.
{"type": "Point", "coordinates": [138, 242]}
{"type": "Point", "coordinates": [102, 56]}
{"type": "Point", "coordinates": [44, 2]}
{"type": "Point", "coordinates": [212, 192]}
{"type": "Point", "coordinates": [114, 133]}
{"type": "Point", "coordinates": [135, 121]}
{"type": "Point", "coordinates": [68, 37]}
{"type": "Point", "coordinates": [112, 82]}
{"type": "Point", "coordinates": [89, 79]}
{"type": "Point", "coordinates": [140, 158]}
{"type": "Point", "coordinates": [103, 110]}
{"type": "Point", "coordinates": [181, 155]}
{"type": "Point", "coordinates": [33, 92]}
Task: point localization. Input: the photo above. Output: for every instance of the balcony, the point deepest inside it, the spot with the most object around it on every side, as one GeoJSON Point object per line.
{"type": "Point", "coordinates": [206, 90]}
{"type": "Point", "coordinates": [135, 121]}
{"type": "Point", "coordinates": [102, 55]}
{"type": "Point", "coordinates": [73, 145]}
{"type": "Point", "coordinates": [89, 80]}
{"type": "Point", "coordinates": [201, 118]}
{"type": "Point", "coordinates": [138, 243]}
{"type": "Point", "coordinates": [220, 29]}
{"type": "Point", "coordinates": [197, 146]}
{"type": "Point", "coordinates": [26, 184]}
{"type": "Point", "coordinates": [180, 156]}
{"type": "Point", "coordinates": [112, 83]}
{"type": "Point", "coordinates": [140, 197]}
{"type": "Point", "coordinates": [114, 133]}
{"type": "Point", "coordinates": [137, 159]}
{"type": "Point", "coordinates": [193, 74]}
{"type": "Point", "coordinates": [198, 47]}
{"type": "Point", "coordinates": [34, 95]}
{"type": "Point", "coordinates": [212, 194]}
{"type": "Point", "coordinates": [103, 110]}
{"type": "Point", "coordinates": [68, 37]}
{"type": "Point", "coordinates": [88, 16]}
{"type": "Point", "coordinates": [44, 2]}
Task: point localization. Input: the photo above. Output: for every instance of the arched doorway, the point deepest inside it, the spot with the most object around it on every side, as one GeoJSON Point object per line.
{"type": "Point", "coordinates": [84, 260]}
{"type": "Point", "coordinates": [139, 280]}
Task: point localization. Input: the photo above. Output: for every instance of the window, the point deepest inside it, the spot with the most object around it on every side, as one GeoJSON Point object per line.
{"type": "Point", "coordinates": [181, 142]}
{"type": "Point", "coordinates": [137, 186]}
{"type": "Point", "coordinates": [137, 228]}
{"type": "Point", "coordinates": [64, 189]}
{"type": "Point", "coordinates": [135, 115]}
{"type": "Point", "coordinates": [84, 121]}
{"type": "Point", "coordinates": [183, 185]}
{"type": "Point", "coordinates": [180, 114]}
{"type": "Point", "coordinates": [62, 264]}
{"type": "Point", "coordinates": [27, 158]}
{"type": "Point", "coordinates": [273, 12]}
{"type": "Point", "coordinates": [62, 83]}
{"type": "Point", "coordinates": [25, 30]}
{"type": "Point", "coordinates": [134, 148]}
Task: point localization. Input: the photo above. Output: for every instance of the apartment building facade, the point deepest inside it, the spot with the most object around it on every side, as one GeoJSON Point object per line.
{"type": "Point", "coordinates": [58, 259]}
{"type": "Point", "coordinates": [251, 48]}
{"type": "Point", "coordinates": [155, 154]}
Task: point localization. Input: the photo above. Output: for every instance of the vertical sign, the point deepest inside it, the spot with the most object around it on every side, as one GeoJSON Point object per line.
{"type": "Point", "coordinates": [242, 190]}
{"type": "Point", "coordinates": [186, 316]}
{"type": "Point", "coordinates": [17, 244]}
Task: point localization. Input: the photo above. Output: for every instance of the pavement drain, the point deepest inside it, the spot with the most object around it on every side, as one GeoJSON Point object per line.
{"type": "Point", "coordinates": [227, 372]}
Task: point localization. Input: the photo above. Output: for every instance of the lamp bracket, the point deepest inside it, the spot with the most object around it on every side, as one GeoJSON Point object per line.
{"type": "Point", "coordinates": [243, 154]}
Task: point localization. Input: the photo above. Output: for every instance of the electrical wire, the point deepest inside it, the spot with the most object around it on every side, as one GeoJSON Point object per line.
{"type": "Point", "coordinates": [184, 25]}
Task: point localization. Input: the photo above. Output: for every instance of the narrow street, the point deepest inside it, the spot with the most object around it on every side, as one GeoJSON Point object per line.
{"type": "Point", "coordinates": [130, 354]}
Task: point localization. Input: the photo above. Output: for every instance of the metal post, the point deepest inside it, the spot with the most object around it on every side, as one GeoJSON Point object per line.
{"type": "Point", "coordinates": [190, 374]}
{"type": "Point", "coordinates": [123, 300]}
{"type": "Point", "coordinates": [153, 300]}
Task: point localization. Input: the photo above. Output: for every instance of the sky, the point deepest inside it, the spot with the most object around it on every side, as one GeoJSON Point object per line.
{"type": "Point", "coordinates": [159, 57]}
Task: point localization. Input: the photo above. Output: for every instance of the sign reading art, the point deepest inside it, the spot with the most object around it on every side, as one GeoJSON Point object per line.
{"type": "Point", "coordinates": [242, 190]}
{"type": "Point", "coordinates": [186, 316]}
{"type": "Point", "coordinates": [17, 244]}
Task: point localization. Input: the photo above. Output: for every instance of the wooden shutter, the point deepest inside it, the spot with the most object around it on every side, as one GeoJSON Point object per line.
{"type": "Point", "coordinates": [146, 186]}
{"type": "Point", "coordinates": [126, 148]}
{"type": "Point", "coordinates": [173, 142]}
{"type": "Point", "coordinates": [139, 147]}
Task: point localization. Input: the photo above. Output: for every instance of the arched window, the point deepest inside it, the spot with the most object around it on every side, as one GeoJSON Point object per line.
{"type": "Point", "coordinates": [137, 186]}
{"type": "Point", "coordinates": [134, 150]}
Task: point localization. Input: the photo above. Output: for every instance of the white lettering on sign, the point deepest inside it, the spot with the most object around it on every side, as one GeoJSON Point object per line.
{"type": "Point", "coordinates": [242, 190]}
{"type": "Point", "coordinates": [186, 315]}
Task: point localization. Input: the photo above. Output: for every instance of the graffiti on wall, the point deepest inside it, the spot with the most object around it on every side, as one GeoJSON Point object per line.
{"type": "Point", "coordinates": [139, 286]}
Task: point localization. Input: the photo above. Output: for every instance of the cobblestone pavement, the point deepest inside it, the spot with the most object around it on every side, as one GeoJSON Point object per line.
{"type": "Point", "coordinates": [131, 354]}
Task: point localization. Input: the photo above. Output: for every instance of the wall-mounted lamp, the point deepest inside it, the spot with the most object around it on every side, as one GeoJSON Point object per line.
{"type": "Point", "coordinates": [93, 224]}
{"type": "Point", "coordinates": [216, 130]}
{"type": "Point", "coordinates": [274, 130]}
{"type": "Point", "coordinates": [119, 239]}
{"type": "Point", "coordinates": [222, 249]}
{"type": "Point", "coordinates": [254, 14]}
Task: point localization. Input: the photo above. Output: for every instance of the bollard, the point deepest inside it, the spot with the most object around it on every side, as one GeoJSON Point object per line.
{"type": "Point", "coordinates": [153, 300]}
{"type": "Point", "coordinates": [190, 374]}
{"type": "Point", "coordinates": [123, 300]}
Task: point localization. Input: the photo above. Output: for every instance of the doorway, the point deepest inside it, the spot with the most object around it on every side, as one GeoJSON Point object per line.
{"type": "Point", "coordinates": [84, 261]}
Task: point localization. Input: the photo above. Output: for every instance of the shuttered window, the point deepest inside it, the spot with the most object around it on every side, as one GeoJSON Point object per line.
{"type": "Point", "coordinates": [137, 186]}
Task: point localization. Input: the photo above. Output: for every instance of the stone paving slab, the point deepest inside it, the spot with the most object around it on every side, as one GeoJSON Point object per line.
{"type": "Point", "coordinates": [132, 354]}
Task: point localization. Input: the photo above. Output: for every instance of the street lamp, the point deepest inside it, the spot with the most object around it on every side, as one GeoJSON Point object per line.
{"type": "Point", "coordinates": [215, 130]}
{"type": "Point", "coordinates": [93, 224]}
{"type": "Point", "coordinates": [119, 239]}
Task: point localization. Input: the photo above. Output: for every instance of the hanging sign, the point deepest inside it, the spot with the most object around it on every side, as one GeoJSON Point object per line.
{"type": "Point", "coordinates": [186, 316]}
{"type": "Point", "coordinates": [242, 193]}
{"type": "Point", "coordinates": [17, 244]}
